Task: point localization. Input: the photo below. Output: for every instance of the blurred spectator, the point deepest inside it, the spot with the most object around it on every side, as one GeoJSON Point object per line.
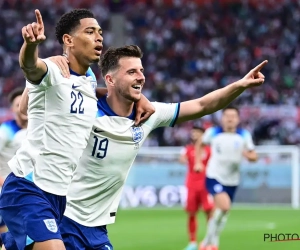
{"type": "Point", "coordinates": [189, 49]}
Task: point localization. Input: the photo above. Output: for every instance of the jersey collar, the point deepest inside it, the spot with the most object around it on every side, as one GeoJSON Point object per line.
{"type": "Point", "coordinates": [88, 73]}
{"type": "Point", "coordinates": [104, 107]}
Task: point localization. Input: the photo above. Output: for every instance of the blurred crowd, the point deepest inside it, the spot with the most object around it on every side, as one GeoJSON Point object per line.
{"type": "Point", "coordinates": [190, 49]}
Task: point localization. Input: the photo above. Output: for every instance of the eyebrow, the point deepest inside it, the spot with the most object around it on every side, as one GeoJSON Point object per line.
{"type": "Point", "coordinates": [94, 28]}
{"type": "Point", "coordinates": [142, 69]}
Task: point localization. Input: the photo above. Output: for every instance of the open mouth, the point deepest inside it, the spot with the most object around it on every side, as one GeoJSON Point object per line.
{"type": "Point", "coordinates": [138, 87]}
{"type": "Point", "coordinates": [98, 49]}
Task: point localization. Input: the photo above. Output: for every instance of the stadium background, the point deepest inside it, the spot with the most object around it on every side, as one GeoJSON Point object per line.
{"type": "Point", "coordinates": [191, 48]}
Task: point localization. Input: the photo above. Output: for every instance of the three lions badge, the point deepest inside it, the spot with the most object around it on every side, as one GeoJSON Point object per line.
{"type": "Point", "coordinates": [137, 134]}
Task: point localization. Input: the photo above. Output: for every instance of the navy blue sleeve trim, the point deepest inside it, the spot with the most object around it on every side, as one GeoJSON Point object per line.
{"type": "Point", "coordinates": [176, 116]}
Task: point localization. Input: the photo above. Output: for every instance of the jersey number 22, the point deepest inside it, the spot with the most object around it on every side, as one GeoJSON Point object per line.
{"type": "Point", "coordinates": [76, 106]}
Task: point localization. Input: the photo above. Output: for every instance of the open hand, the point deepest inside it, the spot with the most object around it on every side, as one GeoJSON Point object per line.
{"type": "Point", "coordinates": [63, 64]}
{"type": "Point", "coordinates": [254, 77]}
{"type": "Point", "coordinates": [144, 109]}
{"type": "Point", "coordinates": [34, 33]}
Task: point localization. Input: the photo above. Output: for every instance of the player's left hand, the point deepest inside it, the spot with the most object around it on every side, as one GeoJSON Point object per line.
{"type": "Point", "coordinates": [63, 64]}
{"type": "Point", "coordinates": [254, 77]}
{"type": "Point", "coordinates": [144, 109]}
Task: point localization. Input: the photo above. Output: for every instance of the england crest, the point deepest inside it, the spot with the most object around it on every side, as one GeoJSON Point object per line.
{"type": "Point", "coordinates": [51, 225]}
{"type": "Point", "coordinates": [137, 134]}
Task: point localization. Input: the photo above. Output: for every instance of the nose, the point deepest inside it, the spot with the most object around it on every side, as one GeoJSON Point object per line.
{"type": "Point", "coordinates": [141, 76]}
{"type": "Point", "coordinates": [99, 38]}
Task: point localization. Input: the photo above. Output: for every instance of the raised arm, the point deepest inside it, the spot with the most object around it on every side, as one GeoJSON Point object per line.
{"type": "Point", "coordinates": [33, 34]}
{"type": "Point", "coordinates": [220, 98]}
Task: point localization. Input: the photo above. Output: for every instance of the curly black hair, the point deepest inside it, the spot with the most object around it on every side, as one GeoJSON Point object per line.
{"type": "Point", "coordinates": [69, 21]}
{"type": "Point", "coordinates": [110, 59]}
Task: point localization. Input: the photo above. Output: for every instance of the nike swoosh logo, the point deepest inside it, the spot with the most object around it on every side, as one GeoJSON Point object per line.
{"type": "Point", "coordinates": [74, 87]}
{"type": "Point", "coordinates": [98, 131]}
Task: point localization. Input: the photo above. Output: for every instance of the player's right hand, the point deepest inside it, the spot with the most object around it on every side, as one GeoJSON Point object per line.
{"type": "Point", "coordinates": [63, 64]}
{"type": "Point", "coordinates": [34, 33]}
{"type": "Point", "coordinates": [254, 77]}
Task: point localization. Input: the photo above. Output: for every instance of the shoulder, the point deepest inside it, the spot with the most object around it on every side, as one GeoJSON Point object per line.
{"type": "Point", "coordinates": [243, 132]}
{"type": "Point", "coordinates": [163, 105]}
{"type": "Point", "coordinates": [52, 67]}
{"type": "Point", "coordinates": [91, 74]}
{"type": "Point", "coordinates": [10, 128]}
{"type": "Point", "coordinates": [165, 115]}
{"type": "Point", "coordinates": [213, 131]}
{"type": "Point", "coordinates": [9, 125]}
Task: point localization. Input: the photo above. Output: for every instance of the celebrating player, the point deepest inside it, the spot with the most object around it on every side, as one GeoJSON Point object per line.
{"type": "Point", "coordinates": [197, 195]}
{"type": "Point", "coordinates": [229, 144]}
{"type": "Point", "coordinates": [97, 183]}
{"type": "Point", "coordinates": [61, 114]}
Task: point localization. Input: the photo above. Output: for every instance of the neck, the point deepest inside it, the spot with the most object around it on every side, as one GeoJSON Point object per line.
{"type": "Point", "coordinates": [21, 123]}
{"type": "Point", "coordinates": [78, 67]}
{"type": "Point", "coordinates": [121, 106]}
{"type": "Point", "coordinates": [229, 130]}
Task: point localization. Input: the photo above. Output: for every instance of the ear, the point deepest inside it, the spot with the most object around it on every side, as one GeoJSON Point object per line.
{"type": "Point", "coordinates": [109, 80]}
{"type": "Point", "coordinates": [68, 40]}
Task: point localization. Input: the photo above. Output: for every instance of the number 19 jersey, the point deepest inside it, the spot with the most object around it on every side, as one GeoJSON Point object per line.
{"type": "Point", "coordinates": [96, 187]}
{"type": "Point", "coordinates": [61, 113]}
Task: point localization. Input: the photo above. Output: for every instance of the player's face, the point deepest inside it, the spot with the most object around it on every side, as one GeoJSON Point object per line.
{"type": "Point", "coordinates": [196, 135]}
{"type": "Point", "coordinates": [87, 40]}
{"type": "Point", "coordinates": [15, 108]}
{"type": "Point", "coordinates": [129, 78]}
{"type": "Point", "coordinates": [230, 119]}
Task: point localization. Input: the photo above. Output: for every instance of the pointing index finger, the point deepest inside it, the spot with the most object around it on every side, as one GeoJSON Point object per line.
{"type": "Point", "coordinates": [39, 18]}
{"type": "Point", "coordinates": [260, 66]}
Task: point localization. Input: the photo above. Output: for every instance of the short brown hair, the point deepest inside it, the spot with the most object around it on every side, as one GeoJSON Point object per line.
{"type": "Point", "coordinates": [15, 93]}
{"type": "Point", "coordinates": [110, 59]}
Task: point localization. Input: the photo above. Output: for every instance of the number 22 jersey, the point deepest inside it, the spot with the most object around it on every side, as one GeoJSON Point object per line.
{"type": "Point", "coordinates": [61, 113]}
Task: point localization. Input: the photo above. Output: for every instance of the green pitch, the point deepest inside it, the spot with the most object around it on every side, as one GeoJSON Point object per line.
{"type": "Point", "coordinates": [165, 229]}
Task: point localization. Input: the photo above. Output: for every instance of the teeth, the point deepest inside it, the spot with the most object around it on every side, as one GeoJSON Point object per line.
{"type": "Point", "coordinates": [136, 86]}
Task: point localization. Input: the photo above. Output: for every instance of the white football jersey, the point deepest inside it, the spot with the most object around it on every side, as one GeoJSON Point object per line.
{"type": "Point", "coordinates": [10, 141]}
{"type": "Point", "coordinates": [61, 113]}
{"type": "Point", "coordinates": [226, 154]}
{"type": "Point", "coordinates": [96, 187]}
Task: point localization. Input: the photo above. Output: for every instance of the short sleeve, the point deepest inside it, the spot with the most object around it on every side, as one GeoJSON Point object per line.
{"type": "Point", "coordinates": [52, 77]}
{"type": "Point", "coordinates": [208, 135]}
{"type": "Point", "coordinates": [248, 140]}
{"type": "Point", "coordinates": [165, 115]}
